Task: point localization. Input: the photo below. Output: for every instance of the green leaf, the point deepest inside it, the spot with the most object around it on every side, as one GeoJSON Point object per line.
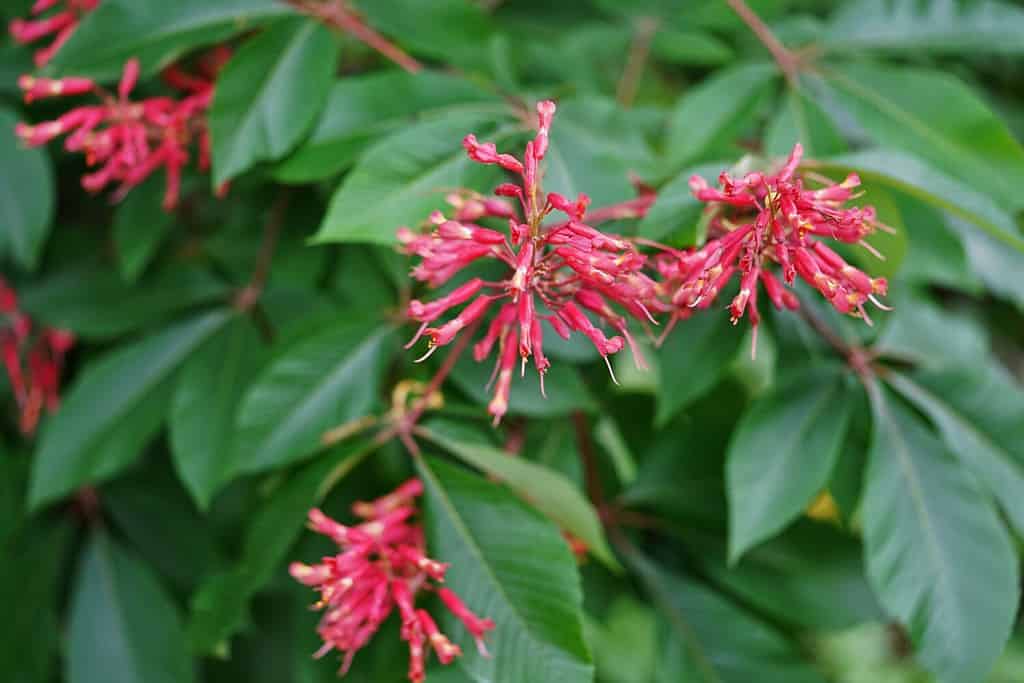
{"type": "Point", "coordinates": [26, 197]}
{"type": "Point", "coordinates": [676, 212]}
{"type": "Point", "coordinates": [219, 609]}
{"type": "Point", "coordinates": [565, 389]}
{"type": "Point", "coordinates": [140, 225]}
{"type": "Point", "coordinates": [708, 639]}
{"type": "Point", "coordinates": [124, 627]}
{"type": "Point", "coordinates": [979, 411]}
{"type": "Point", "coordinates": [997, 266]}
{"type": "Point", "coordinates": [269, 95]}
{"type": "Point", "coordinates": [691, 48]}
{"type": "Point", "coordinates": [116, 405]}
{"type": "Point", "coordinates": [707, 117]}
{"type": "Point", "coordinates": [793, 581]}
{"type": "Point", "coordinates": [927, 335]}
{"type": "Point", "coordinates": [913, 27]}
{"type": "Point", "coordinates": [205, 405]}
{"type": "Point", "coordinates": [936, 552]}
{"type": "Point", "coordinates": [700, 351]}
{"type": "Point", "coordinates": [608, 435]}
{"type": "Point", "coordinates": [509, 564]}
{"type": "Point", "coordinates": [923, 182]}
{"type": "Point", "coordinates": [547, 490]}
{"type": "Point", "coordinates": [96, 304]}
{"type": "Point", "coordinates": [154, 32]}
{"type": "Point", "coordinates": [936, 253]}
{"type": "Point", "coordinates": [782, 454]}
{"type": "Point", "coordinates": [404, 177]}
{"type": "Point", "coordinates": [799, 119]}
{"type": "Point", "coordinates": [361, 109]}
{"type": "Point", "coordinates": [321, 380]}
{"type": "Point", "coordinates": [935, 117]}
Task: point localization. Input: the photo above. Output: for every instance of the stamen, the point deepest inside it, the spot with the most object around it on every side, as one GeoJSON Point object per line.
{"type": "Point", "coordinates": [428, 354]}
{"type": "Point", "coordinates": [879, 304]}
{"type": "Point", "coordinates": [610, 371]}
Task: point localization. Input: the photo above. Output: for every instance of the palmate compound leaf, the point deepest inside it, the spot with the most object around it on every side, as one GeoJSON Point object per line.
{"type": "Point", "coordinates": [782, 454]}
{"type": "Point", "coordinates": [509, 564]}
{"type": "Point", "coordinates": [937, 553]}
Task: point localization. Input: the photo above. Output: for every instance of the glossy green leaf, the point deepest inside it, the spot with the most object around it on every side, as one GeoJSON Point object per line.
{"type": "Point", "coordinates": [935, 117]}
{"type": "Point", "coordinates": [925, 334]}
{"type": "Point", "coordinates": [708, 639]}
{"type": "Point", "coordinates": [124, 627]}
{"type": "Point", "coordinates": [97, 304]}
{"type": "Point", "coordinates": [26, 197]}
{"type": "Point", "coordinates": [269, 95]}
{"type": "Point", "coordinates": [979, 411]}
{"type": "Point", "coordinates": [455, 31]}
{"type": "Point", "coordinates": [321, 380]}
{"type": "Point", "coordinates": [991, 261]}
{"type": "Point", "coordinates": [936, 253]}
{"type": "Point", "coordinates": [116, 405]}
{"type": "Point", "coordinates": [220, 608]}
{"type": "Point", "coordinates": [782, 454]}
{"type": "Point", "coordinates": [400, 180]}
{"type": "Point", "coordinates": [154, 32]}
{"type": "Point", "coordinates": [676, 212]}
{"type": "Point", "coordinates": [915, 27]}
{"type": "Point", "coordinates": [205, 406]}
{"type": "Point", "coordinates": [799, 119]}
{"type": "Point", "coordinates": [140, 225]}
{"type": "Point", "coordinates": [708, 116]}
{"type": "Point", "coordinates": [565, 389]}
{"type": "Point", "coordinates": [692, 48]}
{"type": "Point", "coordinates": [937, 553]}
{"type": "Point", "coordinates": [694, 358]}
{"type": "Point", "coordinates": [909, 175]}
{"type": "Point", "coordinates": [509, 564]}
{"type": "Point", "coordinates": [360, 109]}
{"type": "Point", "coordinates": [547, 490]}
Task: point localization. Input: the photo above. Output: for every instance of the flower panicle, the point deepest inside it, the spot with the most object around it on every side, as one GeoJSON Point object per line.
{"type": "Point", "coordinates": [59, 24]}
{"type": "Point", "coordinates": [382, 567]}
{"type": "Point", "coordinates": [559, 270]}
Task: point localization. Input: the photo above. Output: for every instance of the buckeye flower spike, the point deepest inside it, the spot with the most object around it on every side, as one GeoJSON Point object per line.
{"type": "Point", "coordinates": [559, 271]}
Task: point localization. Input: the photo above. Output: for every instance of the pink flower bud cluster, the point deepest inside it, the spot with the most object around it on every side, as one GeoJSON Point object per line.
{"type": "Point", "coordinates": [125, 140]}
{"type": "Point", "coordinates": [33, 361]}
{"type": "Point", "coordinates": [761, 220]}
{"type": "Point", "coordinates": [60, 24]}
{"type": "Point", "coordinates": [383, 566]}
{"type": "Point", "coordinates": [560, 272]}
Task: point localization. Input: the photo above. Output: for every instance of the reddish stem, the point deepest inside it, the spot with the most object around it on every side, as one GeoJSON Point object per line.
{"type": "Point", "coordinates": [787, 61]}
{"type": "Point", "coordinates": [337, 14]}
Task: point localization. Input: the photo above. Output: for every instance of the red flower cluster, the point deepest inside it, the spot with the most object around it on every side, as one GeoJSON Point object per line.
{"type": "Point", "coordinates": [129, 140]}
{"type": "Point", "coordinates": [382, 566]}
{"type": "Point", "coordinates": [60, 25]}
{"type": "Point", "coordinates": [763, 219]}
{"type": "Point", "coordinates": [33, 362]}
{"type": "Point", "coordinates": [555, 271]}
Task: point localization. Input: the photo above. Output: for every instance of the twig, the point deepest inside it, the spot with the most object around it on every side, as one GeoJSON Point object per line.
{"type": "Point", "coordinates": [591, 475]}
{"type": "Point", "coordinates": [249, 296]}
{"type": "Point", "coordinates": [859, 359]}
{"type": "Point", "coordinates": [787, 61]}
{"type": "Point", "coordinates": [639, 49]}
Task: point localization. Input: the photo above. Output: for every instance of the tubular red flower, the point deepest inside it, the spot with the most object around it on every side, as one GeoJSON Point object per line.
{"type": "Point", "coordinates": [60, 25]}
{"type": "Point", "coordinates": [762, 219]}
{"type": "Point", "coordinates": [549, 265]}
{"type": "Point", "coordinates": [382, 566]}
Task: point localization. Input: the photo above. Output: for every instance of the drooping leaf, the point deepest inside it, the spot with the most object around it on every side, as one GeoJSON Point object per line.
{"type": "Point", "coordinates": [946, 27]}
{"type": "Point", "coordinates": [693, 359]}
{"type": "Point", "coordinates": [937, 554]}
{"type": "Point", "coordinates": [362, 109]}
{"type": "Point", "coordinates": [26, 197]}
{"type": "Point", "coordinates": [707, 117]}
{"type": "Point", "coordinates": [220, 608]}
{"type": "Point", "coordinates": [924, 333]}
{"type": "Point", "coordinates": [799, 119]}
{"type": "Point", "coordinates": [269, 95]}
{"type": "Point", "coordinates": [113, 409]}
{"type": "Point", "coordinates": [154, 32]}
{"type": "Point", "coordinates": [205, 405]}
{"type": "Point", "coordinates": [509, 564]}
{"type": "Point", "coordinates": [708, 639]}
{"type": "Point", "coordinates": [401, 179]}
{"type": "Point", "coordinates": [140, 225]}
{"type": "Point", "coordinates": [937, 254]}
{"type": "Point", "coordinates": [323, 379]}
{"type": "Point", "coordinates": [935, 117]}
{"type": "Point", "coordinates": [991, 261]}
{"type": "Point", "coordinates": [547, 490]}
{"type": "Point", "coordinates": [124, 627]}
{"type": "Point", "coordinates": [782, 454]}
{"type": "Point", "coordinates": [979, 411]}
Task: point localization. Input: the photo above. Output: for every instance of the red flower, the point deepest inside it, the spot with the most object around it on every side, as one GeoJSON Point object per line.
{"type": "Point", "coordinates": [383, 565]}
{"type": "Point", "coordinates": [764, 219]}
{"type": "Point", "coordinates": [125, 139]}
{"type": "Point", "coordinates": [60, 25]}
{"type": "Point", "coordinates": [33, 362]}
{"type": "Point", "coordinates": [556, 270]}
